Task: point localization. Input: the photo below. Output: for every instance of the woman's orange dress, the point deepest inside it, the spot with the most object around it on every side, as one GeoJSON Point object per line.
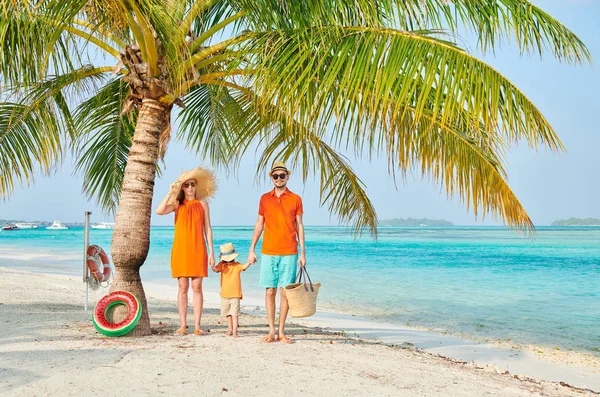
{"type": "Point", "coordinates": [189, 257]}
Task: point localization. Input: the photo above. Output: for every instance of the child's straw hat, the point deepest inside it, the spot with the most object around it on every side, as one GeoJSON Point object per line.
{"type": "Point", "coordinates": [227, 252]}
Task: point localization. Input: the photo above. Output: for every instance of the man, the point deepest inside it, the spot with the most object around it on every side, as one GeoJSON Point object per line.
{"type": "Point", "coordinates": [280, 216]}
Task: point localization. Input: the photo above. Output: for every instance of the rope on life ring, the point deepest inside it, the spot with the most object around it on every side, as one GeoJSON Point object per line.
{"type": "Point", "coordinates": [100, 268]}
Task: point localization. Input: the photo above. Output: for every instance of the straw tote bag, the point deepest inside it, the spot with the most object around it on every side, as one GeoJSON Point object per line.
{"type": "Point", "coordinates": [302, 296]}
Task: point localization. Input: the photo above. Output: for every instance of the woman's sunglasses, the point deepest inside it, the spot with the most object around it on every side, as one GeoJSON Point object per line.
{"type": "Point", "coordinates": [277, 176]}
{"type": "Point", "coordinates": [189, 184]}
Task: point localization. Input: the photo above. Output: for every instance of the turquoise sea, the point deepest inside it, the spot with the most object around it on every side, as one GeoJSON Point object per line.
{"type": "Point", "coordinates": [489, 282]}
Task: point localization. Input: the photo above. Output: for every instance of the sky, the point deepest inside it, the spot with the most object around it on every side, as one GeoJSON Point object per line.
{"type": "Point", "coordinates": [550, 186]}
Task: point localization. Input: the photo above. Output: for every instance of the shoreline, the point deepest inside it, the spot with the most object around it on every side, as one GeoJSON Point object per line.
{"type": "Point", "coordinates": [51, 348]}
{"type": "Point", "coordinates": [579, 369]}
{"type": "Point", "coordinates": [559, 354]}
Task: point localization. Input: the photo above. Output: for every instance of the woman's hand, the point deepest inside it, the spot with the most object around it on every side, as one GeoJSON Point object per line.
{"type": "Point", "coordinates": [211, 261]}
{"type": "Point", "coordinates": [176, 187]}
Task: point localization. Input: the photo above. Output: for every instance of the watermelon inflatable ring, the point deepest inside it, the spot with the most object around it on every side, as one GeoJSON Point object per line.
{"type": "Point", "coordinates": [134, 312]}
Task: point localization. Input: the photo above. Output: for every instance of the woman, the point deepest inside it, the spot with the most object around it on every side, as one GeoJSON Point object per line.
{"type": "Point", "coordinates": [189, 258]}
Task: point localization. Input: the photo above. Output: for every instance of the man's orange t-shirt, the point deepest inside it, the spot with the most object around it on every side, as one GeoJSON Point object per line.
{"type": "Point", "coordinates": [280, 222]}
{"type": "Point", "coordinates": [231, 282]}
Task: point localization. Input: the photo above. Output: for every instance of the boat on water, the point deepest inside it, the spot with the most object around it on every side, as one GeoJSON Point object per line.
{"type": "Point", "coordinates": [10, 226]}
{"type": "Point", "coordinates": [103, 225]}
{"type": "Point", "coordinates": [27, 225]}
{"type": "Point", "coordinates": [57, 226]}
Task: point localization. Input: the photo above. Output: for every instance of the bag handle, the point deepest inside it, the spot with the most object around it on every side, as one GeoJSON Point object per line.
{"type": "Point", "coordinates": [303, 273]}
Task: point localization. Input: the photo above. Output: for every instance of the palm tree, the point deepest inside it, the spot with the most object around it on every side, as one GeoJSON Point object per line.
{"type": "Point", "coordinates": [303, 80]}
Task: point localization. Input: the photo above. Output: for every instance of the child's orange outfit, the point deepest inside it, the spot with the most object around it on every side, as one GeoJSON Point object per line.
{"type": "Point", "coordinates": [231, 287]}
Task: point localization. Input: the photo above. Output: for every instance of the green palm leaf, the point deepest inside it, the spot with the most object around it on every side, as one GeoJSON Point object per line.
{"type": "Point", "coordinates": [358, 77]}
{"type": "Point", "coordinates": [103, 142]}
{"type": "Point", "coordinates": [495, 21]}
{"type": "Point", "coordinates": [35, 140]}
{"type": "Point", "coordinates": [234, 118]}
{"type": "Point", "coordinates": [208, 123]}
{"type": "Point", "coordinates": [35, 129]}
{"type": "Point", "coordinates": [492, 21]}
{"type": "Point", "coordinates": [34, 42]}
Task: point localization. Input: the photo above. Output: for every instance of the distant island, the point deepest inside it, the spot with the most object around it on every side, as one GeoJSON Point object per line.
{"type": "Point", "coordinates": [577, 222]}
{"type": "Point", "coordinates": [414, 222]}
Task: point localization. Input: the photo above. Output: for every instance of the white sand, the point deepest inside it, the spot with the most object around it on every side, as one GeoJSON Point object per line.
{"type": "Point", "coordinates": [48, 346]}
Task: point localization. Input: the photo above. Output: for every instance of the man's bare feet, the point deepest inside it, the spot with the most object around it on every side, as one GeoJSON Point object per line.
{"type": "Point", "coordinates": [228, 333]}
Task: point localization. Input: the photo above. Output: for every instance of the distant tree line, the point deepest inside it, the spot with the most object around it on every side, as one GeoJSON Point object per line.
{"type": "Point", "coordinates": [577, 222]}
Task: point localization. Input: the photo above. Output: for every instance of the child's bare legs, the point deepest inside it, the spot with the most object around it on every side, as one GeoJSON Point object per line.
{"type": "Point", "coordinates": [234, 320]}
{"type": "Point", "coordinates": [229, 326]}
{"type": "Point", "coordinates": [232, 326]}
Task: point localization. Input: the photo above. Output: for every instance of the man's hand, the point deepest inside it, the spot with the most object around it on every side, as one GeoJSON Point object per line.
{"type": "Point", "coordinates": [252, 257]}
{"type": "Point", "coordinates": [302, 260]}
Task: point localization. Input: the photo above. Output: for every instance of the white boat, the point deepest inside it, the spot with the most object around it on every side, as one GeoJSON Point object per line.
{"type": "Point", "coordinates": [57, 226]}
{"type": "Point", "coordinates": [27, 225]}
{"type": "Point", "coordinates": [103, 225]}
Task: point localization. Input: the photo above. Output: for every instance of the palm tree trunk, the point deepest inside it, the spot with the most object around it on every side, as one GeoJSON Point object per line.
{"type": "Point", "coordinates": [131, 235]}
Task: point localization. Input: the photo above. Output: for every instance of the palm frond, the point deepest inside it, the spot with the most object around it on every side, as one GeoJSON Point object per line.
{"type": "Point", "coordinates": [212, 13]}
{"type": "Point", "coordinates": [415, 99]}
{"type": "Point", "coordinates": [34, 43]}
{"type": "Point", "coordinates": [457, 158]}
{"type": "Point", "coordinates": [207, 122]}
{"type": "Point", "coordinates": [35, 126]}
{"type": "Point", "coordinates": [222, 122]}
{"type": "Point", "coordinates": [267, 15]}
{"type": "Point", "coordinates": [357, 77]}
{"type": "Point", "coordinates": [103, 143]}
{"type": "Point", "coordinates": [495, 22]}
{"type": "Point", "coordinates": [492, 21]}
{"type": "Point", "coordinates": [36, 140]}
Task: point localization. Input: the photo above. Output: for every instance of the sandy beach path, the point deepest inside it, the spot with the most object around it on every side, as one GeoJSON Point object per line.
{"type": "Point", "coordinates": [49, 347]}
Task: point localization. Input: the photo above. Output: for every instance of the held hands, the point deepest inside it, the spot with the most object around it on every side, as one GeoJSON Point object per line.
{"type": "Point", "coordinates": [252, 257]}
{"type": "Point", "coordinates": [211, 262]}
{"type": "Point", "coordinates": [302, 260]}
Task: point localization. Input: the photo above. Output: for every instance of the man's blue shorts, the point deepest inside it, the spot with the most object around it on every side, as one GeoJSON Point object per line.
{"type": "Point", "coordinates": [277, 270]}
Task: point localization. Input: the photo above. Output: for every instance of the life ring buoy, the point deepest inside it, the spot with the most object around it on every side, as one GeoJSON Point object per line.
{"type": "Point", "coordinates": [98, 263]}
{"type": "Point", "coordinates": [134, 312]}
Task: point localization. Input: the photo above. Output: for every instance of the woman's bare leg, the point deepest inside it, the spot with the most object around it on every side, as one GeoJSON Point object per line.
{"type": "Point", "coordinates": [182, 300]}
{"type": "Point", "coordinates": [198, 301]}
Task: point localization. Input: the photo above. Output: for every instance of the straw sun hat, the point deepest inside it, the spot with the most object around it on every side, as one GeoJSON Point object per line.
{"type": "Point", "coordinates": [206, 182]}
{"type": "Point", "coordinates": [227, 252]}
{"type": "Point", "coordinates": [279, 166]}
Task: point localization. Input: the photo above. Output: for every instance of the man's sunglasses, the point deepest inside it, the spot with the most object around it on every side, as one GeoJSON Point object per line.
{"type": "Point", "coordinates": [189, 184]}
{"type": "Point", "coordinates": [277, 176]}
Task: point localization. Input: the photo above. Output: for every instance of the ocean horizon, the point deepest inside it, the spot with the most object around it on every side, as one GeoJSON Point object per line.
{"type": "Point", "coordinates": [489, 282]}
